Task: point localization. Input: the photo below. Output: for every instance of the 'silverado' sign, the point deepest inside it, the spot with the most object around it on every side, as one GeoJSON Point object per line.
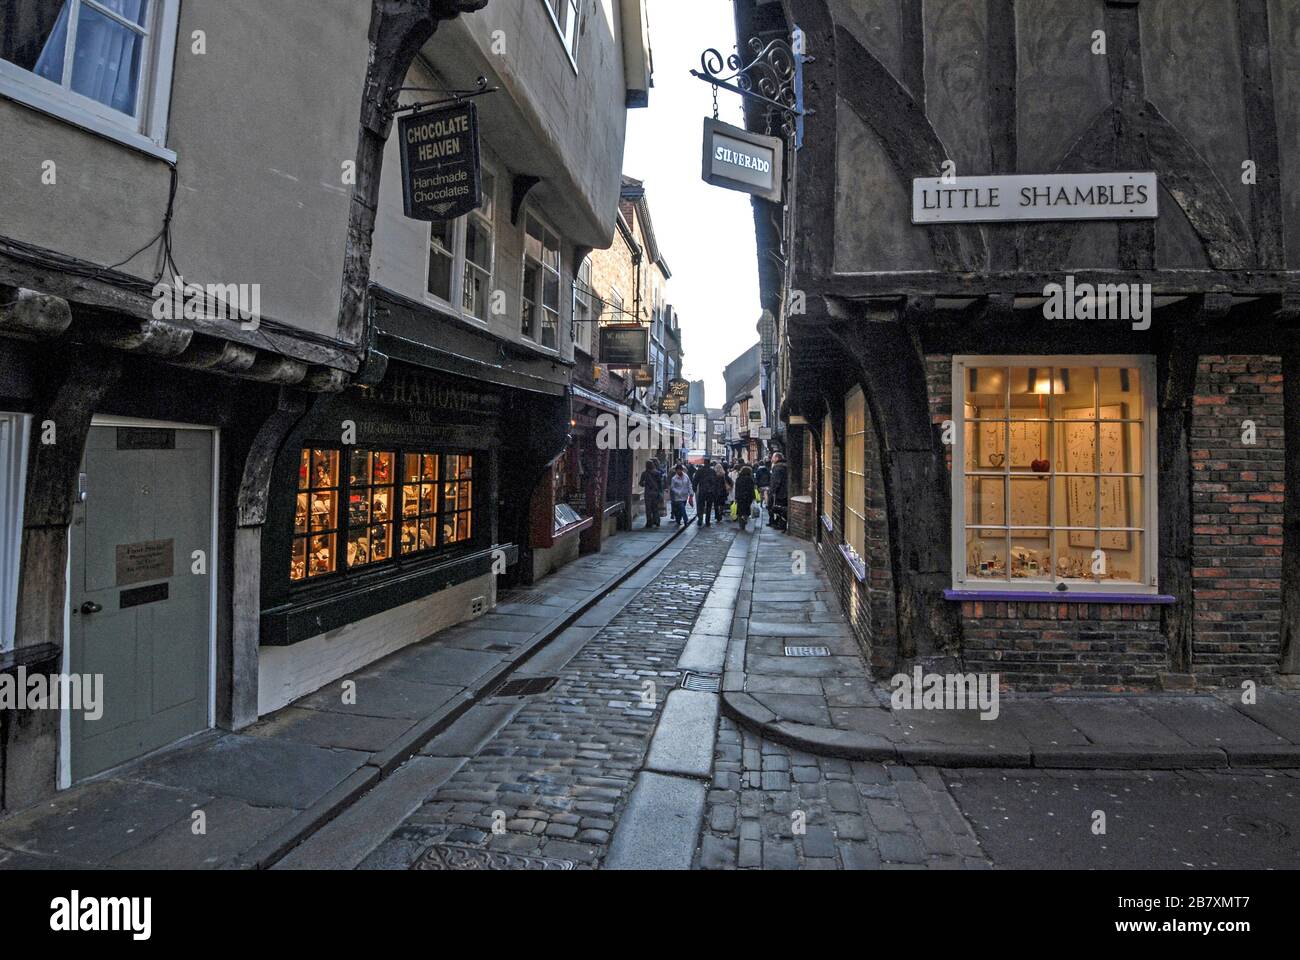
{"type": "Point", "coordinates": [738, 159]}
{"type": "Point", "coordinates": [440, 162]}
{"type": "Point", "coordinates": [1062, 196]}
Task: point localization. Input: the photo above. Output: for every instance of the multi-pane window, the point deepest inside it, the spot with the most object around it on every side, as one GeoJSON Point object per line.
{"type": "Point", "coordinates": [370, 507]}
{"type": "Point", "coordinates": [541, 290]}
{"type": "Point", "coordinates": [477, 291]}
{"type": "Point", "coordinates": [430, 504]}
{"type": "Point", "coordinates": [828, 449]}
{"type": "Point", "coordinates": [316, 517]}
{"type": "Point", "coordinates": [855, 480]}
{"type": "Point", "coordinates": [582, 311]}
{"type": "Point", "coordinates": [566, 14]}
{"type": "Point", "coordinates": [461, 255]}
{"type": "Point", "coordinates": [1052, 480]}
{"type": "Point", "coordinates": [99, 58]}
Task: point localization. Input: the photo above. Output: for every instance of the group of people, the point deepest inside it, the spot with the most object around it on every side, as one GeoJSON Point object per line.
{"type": "Point", "coordinates": [712, 487]}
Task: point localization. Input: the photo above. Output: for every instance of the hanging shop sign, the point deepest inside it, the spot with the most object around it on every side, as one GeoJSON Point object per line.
{"type": "Point", "coordinates": [644, 376]}
{"type": "Point", "coordinates": [625, 345]}
{"type": "Point", "coordinates": [441, 172]}
{"type": "Point", "coordinates": [737, 159]}
{"type": "Point", "coordinates": [1065, 196]}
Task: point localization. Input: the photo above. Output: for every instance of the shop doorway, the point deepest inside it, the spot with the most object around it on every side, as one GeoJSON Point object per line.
{"type": "Point", "coordinates": [140, 590]}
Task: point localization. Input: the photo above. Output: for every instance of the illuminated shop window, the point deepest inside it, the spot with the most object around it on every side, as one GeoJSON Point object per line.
{"type": "Point", "coordinates": [828, 441]}
{"type": "Point", "coordinates": [855, 480]}
{"type": "Point", "coordinates": [399, 504]}
{"type": "Point", "coordinates": [1053, 481]}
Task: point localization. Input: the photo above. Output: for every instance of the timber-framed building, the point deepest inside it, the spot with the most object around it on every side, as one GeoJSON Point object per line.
{"type": "Point", "coordinates": [1068, 500]}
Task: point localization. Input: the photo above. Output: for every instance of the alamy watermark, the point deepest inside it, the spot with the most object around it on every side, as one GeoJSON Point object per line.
{"type": "Point", "coordinates": [236, 302]}
{"type": "Point", "coordinates": [39, 691]}
{"type": "Point", "coordinates": [1101, 301]}
{"type": "Point", "coordinates": [946, 691]}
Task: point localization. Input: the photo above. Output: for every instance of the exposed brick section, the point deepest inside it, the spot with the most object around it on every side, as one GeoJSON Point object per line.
{"type": "Point", "coordinates": [1237, 494]}
{"type": "Point", "coordinates": [1057, 647]}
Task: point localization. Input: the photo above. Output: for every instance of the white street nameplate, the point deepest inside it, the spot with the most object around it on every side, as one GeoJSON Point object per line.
{"type": "Point", "coordinates": [1063, 196]}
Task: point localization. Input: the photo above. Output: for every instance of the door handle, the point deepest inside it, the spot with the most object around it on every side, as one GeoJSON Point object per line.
{"type": "Point", "coordinates": [90, 606]}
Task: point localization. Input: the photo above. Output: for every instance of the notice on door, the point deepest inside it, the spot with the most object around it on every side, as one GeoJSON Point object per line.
{"type": "Point", "coordinates": [144, 561]}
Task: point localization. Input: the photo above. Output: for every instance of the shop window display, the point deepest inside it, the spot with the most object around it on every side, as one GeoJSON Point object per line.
{"type": "Point", "coordinates": [431, 504]}
{"type": "Point", "coordinates": [1053, 476]}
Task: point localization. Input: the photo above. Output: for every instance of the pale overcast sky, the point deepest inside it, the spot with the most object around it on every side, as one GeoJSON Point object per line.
{"type": "Point", "coordinates": [705, 233]}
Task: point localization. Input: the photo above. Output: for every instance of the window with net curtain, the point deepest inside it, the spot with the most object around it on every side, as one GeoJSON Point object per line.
{"type": "Point", "coordinates": [1053, 486]}
{"type": "Point", "coordinates": [95, 49]}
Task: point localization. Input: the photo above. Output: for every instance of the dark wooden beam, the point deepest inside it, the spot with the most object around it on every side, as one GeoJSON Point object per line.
{"type": "Point", "coordinates": [72, 384]}
{"type": "Point", "coordinates": [1030, 283]}
{"type": "Point", "coordinates": [398, 29]}
{"type": "Point", "coordinates": [1177, 354]}
{"type": "Point", "coordinates": [1289, 653]}
{"type": "Point", "coordinates": [917, 488]}
{"type": "Point", "coordinates": [1266, 206]}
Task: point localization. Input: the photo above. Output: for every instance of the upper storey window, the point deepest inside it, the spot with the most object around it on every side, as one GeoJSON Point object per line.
{"type": "Point", "coordinates": [104, 65]}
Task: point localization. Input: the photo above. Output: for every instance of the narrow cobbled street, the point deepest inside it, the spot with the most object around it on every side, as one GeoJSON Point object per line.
{"type": "Point", "coordinates": [543, 779]}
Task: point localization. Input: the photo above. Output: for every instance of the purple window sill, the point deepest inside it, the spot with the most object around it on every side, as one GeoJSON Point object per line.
{"type": "Point", "coordinates": [1058, 596]}
{"type": "Point", "coordinates": [859, 570]}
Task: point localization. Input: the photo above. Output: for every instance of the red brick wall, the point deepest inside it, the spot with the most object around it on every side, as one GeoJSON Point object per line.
{"type": "Point", "coordinates": [1237, 492]}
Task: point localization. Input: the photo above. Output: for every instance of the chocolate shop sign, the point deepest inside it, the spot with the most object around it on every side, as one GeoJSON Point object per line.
{"type": "Point", "coordinates": [1065, 196]}
{"type": "Point", "coordinates": [440, 162]}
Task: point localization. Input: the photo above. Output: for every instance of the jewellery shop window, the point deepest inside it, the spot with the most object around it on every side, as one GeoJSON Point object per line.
{"type": "Point", "coordinates": [1053, 480]}
{"type": "Point", "coordinates": [357, 508]}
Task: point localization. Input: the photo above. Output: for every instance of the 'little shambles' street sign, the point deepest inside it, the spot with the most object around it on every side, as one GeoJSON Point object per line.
{"type": "Point", "coordinates": [1063, 196]}
{"type": "Point", "coordinates": [740, 160]}
{"type": "Point", "coordinates": [440, 162]}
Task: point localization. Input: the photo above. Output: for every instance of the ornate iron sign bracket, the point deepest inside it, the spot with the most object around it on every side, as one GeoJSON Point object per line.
{"type": "Point", "coordinates": [774, 76]}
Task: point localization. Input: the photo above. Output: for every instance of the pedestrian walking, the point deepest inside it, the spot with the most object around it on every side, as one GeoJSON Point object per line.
{"type": "Point", "coordinates": [681, 492]}
{"type": "Point", "coordinates": [779, 492]}
{"type": "Point", "coordinates": [652, 482]}
{"type": "Point", "coordinates": [744, 495]}
{"type": "Point", "coordinates": [732, 474]}
{"type": "Point", "coordinates": [703, 485]}
{"type": "Point", "coordinates": [719, 491]}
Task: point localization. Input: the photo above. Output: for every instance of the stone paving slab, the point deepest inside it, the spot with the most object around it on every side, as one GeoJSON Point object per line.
{"type": "Point", "coordinates": [683, 741]}
{"type": "Point", "coordinates": [277, 773]}
{"type": "Point", "coordinates": [659, 826]}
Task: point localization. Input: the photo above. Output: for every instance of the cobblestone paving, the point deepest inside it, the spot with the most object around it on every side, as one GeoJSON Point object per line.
{"type": "Point", "coordinates": [775, 808]}
{"type": "Point", "coordinates": [560, 771]}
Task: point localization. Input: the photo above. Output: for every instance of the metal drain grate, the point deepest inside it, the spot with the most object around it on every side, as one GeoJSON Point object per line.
{"type": "Point", "coordinates": [807, 651]}
{"type": "Point", "coordinates": [450, 856]}
{"type": "Point", "coordinates": [704, 682]}
{"type": "Point", "coordinates": [525, 688]}
{"type": "Point", "coordinates": [521, 596]}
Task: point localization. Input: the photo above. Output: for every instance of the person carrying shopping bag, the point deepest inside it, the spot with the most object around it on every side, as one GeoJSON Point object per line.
{"type": "Point", "coordinates": [745, 492]}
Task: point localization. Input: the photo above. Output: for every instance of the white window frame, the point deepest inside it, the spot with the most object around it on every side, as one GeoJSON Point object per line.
{"type": "Point", "coordinates": [459, 260]}
{"type": "Point", "coordinates": [581, 333]}
{"type": "Point", "coordinates": [536, 339]}
{"type": "Point", "coordinates": [13, 478]}
{"type": "Point", "coordinates": [568, 29]}
{"type": "Point", "coordinates": [1145, 365]}
{"type": "Point", "coordinates": [147, 130]}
